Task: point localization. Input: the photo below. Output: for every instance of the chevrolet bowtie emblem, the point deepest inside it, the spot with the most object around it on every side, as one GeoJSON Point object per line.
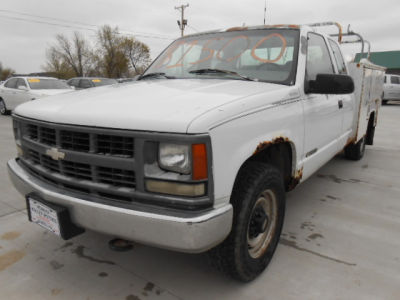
{"type": "Point", "coordinates": [55, 154]}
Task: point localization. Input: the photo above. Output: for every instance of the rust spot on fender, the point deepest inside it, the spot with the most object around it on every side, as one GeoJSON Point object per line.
{"type": "Point", "coordinates": [350, 140]}
{"type": "Point", "coordinates": [263, 145]}
{"type": "Point", "coordinates": [295, 179]}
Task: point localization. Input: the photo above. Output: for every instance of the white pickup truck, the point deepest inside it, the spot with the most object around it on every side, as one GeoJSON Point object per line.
{"type": "Point", "coordinates": [198, 153]}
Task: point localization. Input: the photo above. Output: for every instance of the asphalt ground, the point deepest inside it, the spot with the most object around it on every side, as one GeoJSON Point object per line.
{"type": "Point", "coordinates": [341, 240]}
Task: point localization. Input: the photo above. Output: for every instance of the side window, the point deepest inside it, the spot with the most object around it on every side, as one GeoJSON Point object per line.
{"type": "Point", "coordinates": [384, 79]}
{"type": "Point", "coordinates": [21, 82]}
{"type": "Point", "coordinates": [85, 84]}
{"type": "Point", "coordinates": [73, 82]}
{"type": "Point", "coordinates": [11, 83]}
{"type": "Point", "coordinates": [318, 58]}
{"type": "Point", "coordinates": [338, 57]}
{"type": "Point", "coordinates": [394, 80]}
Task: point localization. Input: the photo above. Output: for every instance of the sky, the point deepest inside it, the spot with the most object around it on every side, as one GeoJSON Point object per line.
{"type": "Point", "coordinates": [29, 27]}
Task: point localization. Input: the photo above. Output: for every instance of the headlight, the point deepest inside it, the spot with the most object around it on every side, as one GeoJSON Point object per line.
{"type": "Point", "coordinates": [175, 157]}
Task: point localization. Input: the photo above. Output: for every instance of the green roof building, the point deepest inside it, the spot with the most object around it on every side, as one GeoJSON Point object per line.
{"type": "Point", "coordinates": [388, 59]}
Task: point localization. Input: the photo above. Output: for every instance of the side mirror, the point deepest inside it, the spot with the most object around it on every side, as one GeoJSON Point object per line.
{"type": "Point", "coordinates": [330, 84]}
{"type": "Point", "coordinates": [22, 88]}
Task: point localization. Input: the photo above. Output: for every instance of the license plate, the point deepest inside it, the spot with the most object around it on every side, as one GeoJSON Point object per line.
{"type": "Point", "coordinates": [44, 216]}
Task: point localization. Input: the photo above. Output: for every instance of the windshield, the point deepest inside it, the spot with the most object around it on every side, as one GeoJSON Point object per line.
{"type": "Point", "coordinates": [47, 84]}
{"type": "Point", "coordinates": [264, 55]}
{"type": "Point", "coordinates": [103, 81]}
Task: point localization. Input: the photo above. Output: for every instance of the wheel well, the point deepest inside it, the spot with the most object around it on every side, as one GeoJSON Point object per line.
{"type": "Point", "coordinates": [371, 129]}
{"type": "Point", "coordinates": [279, 153]}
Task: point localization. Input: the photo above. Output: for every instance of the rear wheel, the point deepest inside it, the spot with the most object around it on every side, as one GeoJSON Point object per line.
{"type": "Point", "coordinates": [258, 201]}
{"type": "Point", "coordinates": [355, 151]}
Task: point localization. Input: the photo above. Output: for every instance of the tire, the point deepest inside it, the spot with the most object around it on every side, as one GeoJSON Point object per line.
{"type": "Point", "coordinates": [384, 102]}
{"type": "Point", "coordinates": [355, 151]}
{"type": "Point", "coordinates": [258, 201]}
{"type": "Point", "coordinates": [3, 108]}
{"type": "Point", "coordinates": [370, 132]}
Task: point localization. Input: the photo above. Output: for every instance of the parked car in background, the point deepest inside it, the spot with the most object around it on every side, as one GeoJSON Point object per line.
{"type": "Point", "coordinates": [17, 90]}
{"type": "Point", "coordinates": [391, 88]}
{"type": "Point", "coordinates": [89, 82]}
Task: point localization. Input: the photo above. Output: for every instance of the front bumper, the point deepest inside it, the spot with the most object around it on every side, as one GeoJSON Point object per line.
{"type": "Point", "coordinates": [192, 233]}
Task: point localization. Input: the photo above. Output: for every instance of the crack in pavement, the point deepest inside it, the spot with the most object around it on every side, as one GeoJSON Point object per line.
{"type": "Point", "coordinates": [293, 244]}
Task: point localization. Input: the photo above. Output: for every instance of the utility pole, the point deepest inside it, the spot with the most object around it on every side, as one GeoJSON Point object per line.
{"type": "Point", "coordinates": [183, 22]}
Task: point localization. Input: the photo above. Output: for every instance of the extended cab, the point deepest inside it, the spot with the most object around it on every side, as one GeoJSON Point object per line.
{"type": "Point", "coordinates": [198, 153]}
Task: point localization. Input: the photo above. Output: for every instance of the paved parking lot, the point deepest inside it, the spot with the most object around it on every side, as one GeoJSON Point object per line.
{"type": "Point", "coordinates": [341, 240]}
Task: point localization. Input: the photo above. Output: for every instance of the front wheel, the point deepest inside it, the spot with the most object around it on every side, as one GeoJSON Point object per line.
{"type": "Point", "coordinates": [258, 201]}
{"type": "Point", "coordinates": [3, 108]}
{"type": "Point", "coordinates": [384, 102]}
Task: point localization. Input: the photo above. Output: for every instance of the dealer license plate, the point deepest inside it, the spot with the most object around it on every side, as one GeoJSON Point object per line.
{"type": "Point", "coordinates": [44, 216]}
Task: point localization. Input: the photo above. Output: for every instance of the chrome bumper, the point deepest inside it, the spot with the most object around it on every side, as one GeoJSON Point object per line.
{"type": "Point", "coordinates": [192, 234]}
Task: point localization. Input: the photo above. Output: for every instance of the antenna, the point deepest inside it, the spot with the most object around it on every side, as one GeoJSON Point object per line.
{"type": "Point", "coordinates": [265, 10]}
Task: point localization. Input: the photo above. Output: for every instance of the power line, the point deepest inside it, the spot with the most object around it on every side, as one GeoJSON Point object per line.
{"type": "Point", "coordinates": [141, 34]}
{"type": "Point", "coordinates": [194, 28]}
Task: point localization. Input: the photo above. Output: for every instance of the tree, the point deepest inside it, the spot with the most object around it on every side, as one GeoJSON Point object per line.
{"type": "Point", "coordinates": [110, 55]}
{"type": "Point", "coordinates": [5, 72]}
{"type": "Point", "coordinates": [70, 57]}
{"type": "Point", "coordinates": [113, 55]}
{"type": "Point", "coordinates": [138, 54]}
{"type": "Point", "coordinates": [57, 66]}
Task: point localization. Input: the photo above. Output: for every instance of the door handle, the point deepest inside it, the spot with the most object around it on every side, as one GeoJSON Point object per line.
{"type": "Point", "coordinates": [340, 103]}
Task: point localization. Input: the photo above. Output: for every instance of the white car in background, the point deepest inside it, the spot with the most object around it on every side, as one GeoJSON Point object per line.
{"type": "Point", "coordinates": [391, 88]}
{"type": "Point", "coordinates": [17, 90]}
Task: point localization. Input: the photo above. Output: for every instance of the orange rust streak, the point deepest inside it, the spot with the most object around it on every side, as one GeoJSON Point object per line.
{"type": "Point", "coordinates": [263, 145]}
{"type": "Point", "coordinates": [236, 29]}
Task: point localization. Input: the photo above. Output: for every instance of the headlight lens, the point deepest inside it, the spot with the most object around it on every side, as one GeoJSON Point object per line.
{"type": "Point", "coordinates": [175, 157]}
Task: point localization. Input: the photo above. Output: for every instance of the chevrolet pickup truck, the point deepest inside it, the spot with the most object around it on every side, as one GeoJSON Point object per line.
{"type": "Point", "coordinates": [198, 153]}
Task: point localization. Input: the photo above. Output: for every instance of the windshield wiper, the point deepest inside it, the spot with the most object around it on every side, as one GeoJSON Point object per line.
{"type": "Point", "coordinates": [155, 74]}
{"type": "Point", "coordinates": [216, 71]}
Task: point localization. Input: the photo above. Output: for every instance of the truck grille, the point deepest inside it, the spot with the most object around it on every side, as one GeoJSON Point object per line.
{"type": "Point", "coordinates": [103, 144]}
{"type": "Point", "coordinates": [95, 162]}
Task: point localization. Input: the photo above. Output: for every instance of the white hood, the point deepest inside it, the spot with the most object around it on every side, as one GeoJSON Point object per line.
{"type": "Point", "coordinates": [149, 105]}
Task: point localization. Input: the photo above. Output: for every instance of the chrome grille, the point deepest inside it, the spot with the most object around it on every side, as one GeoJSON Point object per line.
{"type": "Point", "coordinates": [93, 163]}
{"type": "Point", "coordinates": [115, 145]}
{"type": "Point", "coordinates": [77, 141]}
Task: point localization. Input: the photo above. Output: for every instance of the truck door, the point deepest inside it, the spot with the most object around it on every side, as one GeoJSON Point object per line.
{"type": "Point", "coordinates": [397, 86]}
{"type": "Point", "coordinates": [392, 87]}
{"type": "Point", "coordinates": [323, 118]}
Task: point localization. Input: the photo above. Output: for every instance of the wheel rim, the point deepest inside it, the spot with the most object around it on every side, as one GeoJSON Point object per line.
{"type": "Point", "coordinates": [262, 223]}
{"type": "Point", "coordinates": [2, 107]}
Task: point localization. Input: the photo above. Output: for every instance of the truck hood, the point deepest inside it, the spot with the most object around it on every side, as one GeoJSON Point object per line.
{"type": "Point", "coordinates": [150, 105]}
